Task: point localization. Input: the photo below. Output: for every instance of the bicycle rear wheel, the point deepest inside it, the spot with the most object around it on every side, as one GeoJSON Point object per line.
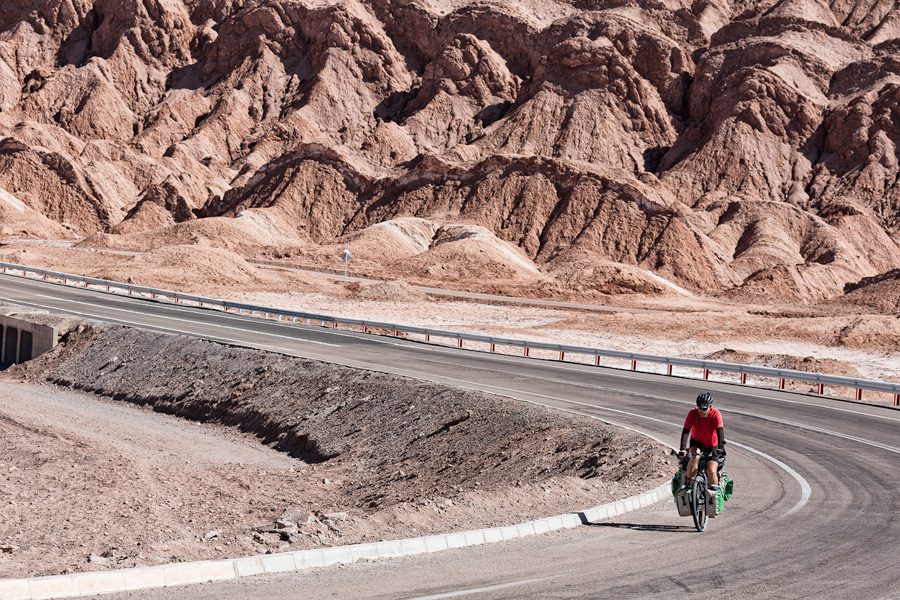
{"type": "Point", "coordinates": [698, 503]}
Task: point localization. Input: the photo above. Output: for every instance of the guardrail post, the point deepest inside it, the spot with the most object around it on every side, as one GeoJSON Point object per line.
{"type": "Point", "coordinates": [859, 394]}
{"type": "Point", "coordinates": [821, 389]}
{"type": "Point", "coordinates": [493, 346]}
{"type": "Point", "coordinates": [705, 373]}
{"type": "Point", "coordinates": [668, 369]}
{"type": "Point", "coordinates": [562, 355]}
{"type": "Point", "coordinates": [526, 350]}
{"type": "Point", "coordinates": [633, 364]}
{"type": "Point", "coordinates": [897, 400]}
{"type": "Point", "coordinates": [427, 337]}
{"type": "Point", "coordinates": [743, 378]}
{"type": "Point", "coordinates": [781, 383]}
{"type": "Point", "coordinates": [459, 342]}
{"type": "Point", "coordinates": [597, 360]}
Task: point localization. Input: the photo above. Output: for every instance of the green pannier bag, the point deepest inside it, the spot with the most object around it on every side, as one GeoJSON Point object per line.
{"type": "Point", "coordinates": [676, 481]}
{"type": "Point", "coordinates": [727, 485]}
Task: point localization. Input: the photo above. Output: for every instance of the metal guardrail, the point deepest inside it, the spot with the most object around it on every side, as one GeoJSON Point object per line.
{"type": "Point", "coordinates": [706, 366]}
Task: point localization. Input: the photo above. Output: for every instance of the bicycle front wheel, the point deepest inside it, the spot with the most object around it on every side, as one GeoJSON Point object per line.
{"type": "Point", "coordinates": [698, 503]}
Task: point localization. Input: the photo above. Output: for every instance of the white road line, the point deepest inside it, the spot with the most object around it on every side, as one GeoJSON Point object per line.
{"type": "Point", "coordinates": [479, 590]}
{"type": "Point", "coordinates": [738, 411]}
{"type": "Point", "coordinates": [805, 490]}
{"type": "Point", "coordinates": [131, 301]}
{"type": "Point", "coordinates": [235, 341]}
{"type": "Point", "coordinates": [837, 434]}
{"type": "Point", "coordinates": [194, 322]}
{"type": "Point", "coordinates": [611, 372]}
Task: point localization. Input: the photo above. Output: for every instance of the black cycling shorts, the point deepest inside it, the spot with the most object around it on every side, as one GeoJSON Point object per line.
{"type": "Point", "coordinates": [706, 450]}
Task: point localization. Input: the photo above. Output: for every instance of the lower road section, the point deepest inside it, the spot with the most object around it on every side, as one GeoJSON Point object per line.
{"type": "Point", "coordinates": [814, 512]}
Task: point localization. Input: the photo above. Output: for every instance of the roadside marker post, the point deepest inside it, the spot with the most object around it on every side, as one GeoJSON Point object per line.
{"type": "Point", "coordinates": [345, 256]}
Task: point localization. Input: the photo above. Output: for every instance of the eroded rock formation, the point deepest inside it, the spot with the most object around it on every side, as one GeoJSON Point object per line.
{"type": "Point", "coordinates": [745, 148]}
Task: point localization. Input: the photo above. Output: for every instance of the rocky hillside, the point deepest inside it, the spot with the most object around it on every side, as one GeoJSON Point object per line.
{"type": "Point", "coordinates": [738, 147]}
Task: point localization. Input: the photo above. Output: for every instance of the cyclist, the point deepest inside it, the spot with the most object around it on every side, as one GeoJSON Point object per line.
{"type": "Point", "coordinates": [706, 431]}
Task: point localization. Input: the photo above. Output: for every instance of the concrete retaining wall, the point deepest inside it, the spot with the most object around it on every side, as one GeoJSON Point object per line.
{"type": "Point", "coordinates": [22, 340]}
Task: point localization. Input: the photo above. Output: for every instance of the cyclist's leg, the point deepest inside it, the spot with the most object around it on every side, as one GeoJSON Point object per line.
{"type": "Point", "coordinates": [712, 471]}
{"type": "Point", "coordinates": [692, 468]}
{"type": "Point", "coordinates": [693, 459]}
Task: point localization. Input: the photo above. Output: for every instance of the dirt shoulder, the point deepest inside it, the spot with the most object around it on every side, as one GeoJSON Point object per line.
{"type": "Point", "coordinates": [271, 453]}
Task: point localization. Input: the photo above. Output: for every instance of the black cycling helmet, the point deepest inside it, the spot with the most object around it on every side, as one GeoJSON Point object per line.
{"type": "Point", "coordinates": [704, 400]}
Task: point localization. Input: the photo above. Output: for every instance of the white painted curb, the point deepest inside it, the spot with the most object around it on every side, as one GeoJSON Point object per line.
{"type": "Point", "coordinates": [140, 578]}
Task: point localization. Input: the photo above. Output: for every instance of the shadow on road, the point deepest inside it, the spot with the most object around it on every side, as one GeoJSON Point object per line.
{"type": "Point", "coordinates": [643, 527]}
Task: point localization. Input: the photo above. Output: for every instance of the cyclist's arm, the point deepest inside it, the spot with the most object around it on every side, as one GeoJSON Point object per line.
{"type": "Point", "coordinates": [685, 438]}
{"type": "Point", "coordinates": [720, 432]}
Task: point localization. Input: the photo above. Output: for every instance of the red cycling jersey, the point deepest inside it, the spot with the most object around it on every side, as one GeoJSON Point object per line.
{"type": "Point", "coordinates": [704, 429]}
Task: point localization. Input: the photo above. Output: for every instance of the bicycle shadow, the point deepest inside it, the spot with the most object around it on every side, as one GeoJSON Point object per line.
{"type": "Point", "coordinates": [644, 527]}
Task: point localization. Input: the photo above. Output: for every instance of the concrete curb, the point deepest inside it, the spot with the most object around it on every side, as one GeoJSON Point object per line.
{"type": "Point", "coordinates": [139, 578]}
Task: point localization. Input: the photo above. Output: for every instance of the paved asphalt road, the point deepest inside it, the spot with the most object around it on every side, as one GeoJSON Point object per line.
{"type": "Point", "coordinates": [816, 512]}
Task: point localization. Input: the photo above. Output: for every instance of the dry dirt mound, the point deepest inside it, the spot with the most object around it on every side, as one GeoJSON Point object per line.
{"type": "Point", "coordinates": [375, 456]}
{"type": "Point", "coordinates": [386, 291]}
{"type": "Point", "coordinates": [373, 249]}
{"type": "Point", "coordinates": [212, 266]}
{"type": "Point", "coordinates": [749, 149]}
{"type": "Point", "coordinates": [19, 220]}
{"type": "Point", "coordinates": [471, 254]}
{"type": "Point", "coordinates": [880, 293]}
{"type": "Point", "coordinates": [383, 421]}
{"type": "Point", "coordinates": [583, 272]}
{"type": "Point", "coordinates": [246, 234]}
{"type": "Point", "coordinates": [785, 361]}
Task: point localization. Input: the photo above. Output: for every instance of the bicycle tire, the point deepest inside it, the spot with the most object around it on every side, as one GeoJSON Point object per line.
{"type": "Point", "coordinates": [698, 503]}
